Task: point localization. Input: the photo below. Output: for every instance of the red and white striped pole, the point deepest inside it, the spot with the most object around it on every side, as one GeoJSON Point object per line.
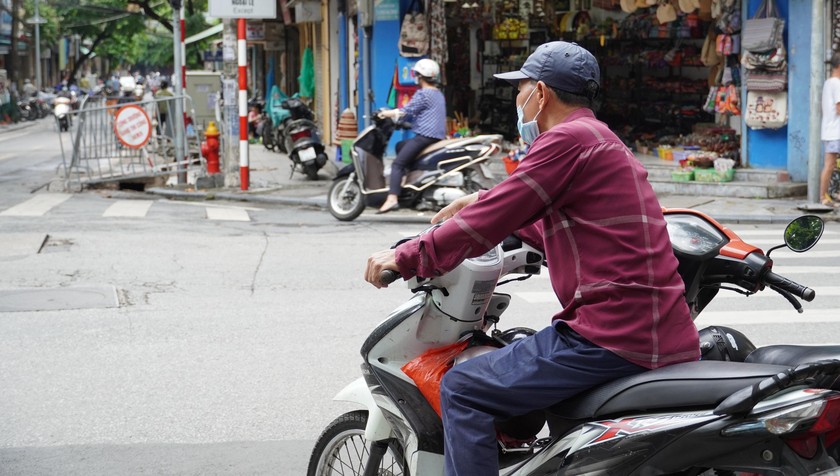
{"type": "Point", "coordinates": [184, 59]}
{"type": "Point", "coordinates": [243, 104]}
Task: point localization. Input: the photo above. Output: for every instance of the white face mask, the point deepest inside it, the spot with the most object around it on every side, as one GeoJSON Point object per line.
{"type": "Point", "coordinates": [529, 130]}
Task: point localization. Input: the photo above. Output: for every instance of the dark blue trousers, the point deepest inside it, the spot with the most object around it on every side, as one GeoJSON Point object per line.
{"type": "Point", "coordinates": [530, 374]}
{"type": "Point", "coordinates": [407, 152]}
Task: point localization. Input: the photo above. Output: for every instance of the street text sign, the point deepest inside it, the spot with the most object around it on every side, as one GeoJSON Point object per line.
{"type": "Point", "coordinates": [132, 126]}
{"type": "Point", "coordinates": [242, 9]}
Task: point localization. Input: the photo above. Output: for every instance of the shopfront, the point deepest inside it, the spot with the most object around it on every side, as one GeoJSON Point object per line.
{"type": "Point", "coordinates": [671, 71]}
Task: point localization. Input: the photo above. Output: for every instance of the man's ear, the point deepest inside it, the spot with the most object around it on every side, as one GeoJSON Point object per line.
{"type": "Point", "coordinates": [543, 91]}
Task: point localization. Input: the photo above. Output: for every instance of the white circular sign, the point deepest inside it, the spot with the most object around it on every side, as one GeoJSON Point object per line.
{"type": "Point", "coordinates": [132, 126]}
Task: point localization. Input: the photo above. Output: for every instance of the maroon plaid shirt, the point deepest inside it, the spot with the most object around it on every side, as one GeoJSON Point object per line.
{"type": "Point", "coordinates": [583, 198]}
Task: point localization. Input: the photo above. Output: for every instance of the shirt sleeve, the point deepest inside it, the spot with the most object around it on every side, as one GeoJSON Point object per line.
{"type": "Point", "coordinates": [518, 203]}
{"type": "Point", "coordinates": [416, 104]}
{"type": "Point", "coordinates": [835, 93]}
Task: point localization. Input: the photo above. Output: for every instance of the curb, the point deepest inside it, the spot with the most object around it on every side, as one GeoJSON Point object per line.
{"type": "Point", "coordinates": [320, 202]}
{"type": "Point", "coordinates": [20, 125]}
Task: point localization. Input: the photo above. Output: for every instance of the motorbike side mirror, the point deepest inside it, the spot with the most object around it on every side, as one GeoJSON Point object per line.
{"type": "Point", "coordinates": [802, 233]}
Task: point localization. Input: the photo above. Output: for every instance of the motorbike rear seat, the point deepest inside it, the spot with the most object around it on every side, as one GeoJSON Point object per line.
{"type": "Point", "coordinates": [447, 142]}
{"type": "Point", "coordinates": [792, 355]}
{"type": "Point", "coordinates": [702, 384]}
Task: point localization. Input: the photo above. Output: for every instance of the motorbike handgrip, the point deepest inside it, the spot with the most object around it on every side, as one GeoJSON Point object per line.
{"type": "Point", "coordinates": [388, 276]}
{"type": "Point", "coordinates": [796, 289]}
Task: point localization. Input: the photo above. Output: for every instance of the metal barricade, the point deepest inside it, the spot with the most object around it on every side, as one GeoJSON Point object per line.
{"type": "Point", "coordinates": [113, 140]}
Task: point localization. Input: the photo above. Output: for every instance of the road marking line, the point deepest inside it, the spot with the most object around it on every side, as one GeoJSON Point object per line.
{"type": "Point", "coordinates": [204, 204]}
{"type": "Point", "coordinates": [128, 208]}
{"type": "Point", "coordinates": [543, 297]}
{"type": "Point", "coordinates": [227, 214]}
{"type": "Point", "coordinates": [37, 205]}
{"type": "Point", "coordinates": [786, 270]}
{"type": "Point", "coordinates": [810, 254]}
{"type": "Point", "coordinates": [772, 233]}
{"type": "Point", "coordinates": [538, 297]}
{"type": "Point", "coordinates": [776, 316]}
{"type": "Point", "coordinates": [13, 135]}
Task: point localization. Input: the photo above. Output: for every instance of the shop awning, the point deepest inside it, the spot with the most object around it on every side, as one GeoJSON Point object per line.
{"type": "Point", "coordinates": [213, 30]}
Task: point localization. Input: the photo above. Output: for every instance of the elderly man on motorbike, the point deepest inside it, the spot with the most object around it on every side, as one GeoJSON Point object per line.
{"type": "Point", "coordinates": [582, 197]}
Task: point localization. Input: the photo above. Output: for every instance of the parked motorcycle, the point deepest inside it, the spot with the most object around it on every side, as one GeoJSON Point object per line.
{"type": "Point", "coordinates": [302, 138]}
{"type": "Point", "coordinates": [274, 128]}
{"type": "Point", "coordinates": [443, 172]}
{"type": "Point", "coordinates": [778, 414]}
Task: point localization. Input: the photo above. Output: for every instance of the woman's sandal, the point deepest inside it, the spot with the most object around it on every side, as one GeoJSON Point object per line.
{"type": "Point", "coordinates": [828, 201]}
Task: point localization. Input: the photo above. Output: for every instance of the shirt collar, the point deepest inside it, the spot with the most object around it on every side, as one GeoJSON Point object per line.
{"type": "Point", "coordinates": [581, 113]}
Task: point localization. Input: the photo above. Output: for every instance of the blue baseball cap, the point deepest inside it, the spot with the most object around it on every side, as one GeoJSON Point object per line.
{"type": "Point", "coordinates": [560, 65]}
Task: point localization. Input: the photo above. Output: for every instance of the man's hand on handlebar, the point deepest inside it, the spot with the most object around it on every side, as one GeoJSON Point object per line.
{"type": "Point", "coordinates": [378, 262]}
{"type": "Point", "coordinates": [450, 210]}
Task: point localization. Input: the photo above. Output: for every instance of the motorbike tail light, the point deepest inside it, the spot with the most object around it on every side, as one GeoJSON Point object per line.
{"type": "Point", "coordinates": [303, 133]}
{"type": "Point", "coordinates": [826, 425]}
{"type": "Point", "coordinates": [794, 418]}
{"type": "Point", "coordinates": [787, 420]}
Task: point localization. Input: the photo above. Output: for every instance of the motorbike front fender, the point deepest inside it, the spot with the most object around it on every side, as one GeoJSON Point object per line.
{"type": "Point", "coordinates": [345, 171]}
{"type": "Point", "coordinates": [377, 428]}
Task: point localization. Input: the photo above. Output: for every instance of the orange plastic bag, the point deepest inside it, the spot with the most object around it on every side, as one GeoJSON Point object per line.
{"type": "Point", "coordinates": [428, 368]}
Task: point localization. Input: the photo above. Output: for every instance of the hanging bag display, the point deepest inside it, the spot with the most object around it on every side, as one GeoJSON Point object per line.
{"type": "Point", "coordinates": [766, 110]}
{"type": "Point", "coordinates": [414, 32]}
{"type": "Point", "coordinates": [765, 30]}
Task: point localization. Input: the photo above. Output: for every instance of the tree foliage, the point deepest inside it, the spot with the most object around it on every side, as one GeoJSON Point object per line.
{"type": "Point", "coordinates": [129, 33]}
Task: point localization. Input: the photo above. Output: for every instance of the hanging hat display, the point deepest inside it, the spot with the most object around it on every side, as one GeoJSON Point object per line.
{"type": "Point", "coordinates": [687, 6]}
{"type": "Point", "coordinates": [665, 13]}
{"type": "Point", "coordinates": [628, 6]}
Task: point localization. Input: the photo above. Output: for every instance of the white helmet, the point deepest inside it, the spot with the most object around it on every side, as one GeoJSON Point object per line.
{"type": "Point", "coordinates": [427, 68]}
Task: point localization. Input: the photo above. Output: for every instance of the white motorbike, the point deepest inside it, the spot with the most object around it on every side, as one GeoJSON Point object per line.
{"type": "Point", "coordinates": [709, 417]}
{"type": "Point", "coordinates": [62, 111]}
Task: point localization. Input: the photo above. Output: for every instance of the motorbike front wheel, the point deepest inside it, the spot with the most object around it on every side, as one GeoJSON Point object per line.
{"type": "Point", "coordinates": [346, 205]}
{"type": "Point", "coordinates": [341, 450]}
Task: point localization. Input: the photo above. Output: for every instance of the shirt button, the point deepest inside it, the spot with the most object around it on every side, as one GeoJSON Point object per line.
{"type": "Point", "coordinates": [413, 271]}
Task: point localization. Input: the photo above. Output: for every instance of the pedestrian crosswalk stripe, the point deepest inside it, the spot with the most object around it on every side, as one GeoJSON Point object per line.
{"type": "Point", "coordinates": [227, 214]}
{"type": "Point", "coordinates": [543, 297]}
{"type": "Point", "coordinates": [773, 232]}
{"type": "Point", "coordinates": [786, 270]}
{"type": "Point", "coordinates": [37, 205]}
{"type": "Point", "coordinates": [766, 244]}
{"type": "Point", "coordinates": [128, 208]}
{"type": "Point", "coordinates": [783, 315]}
{"type": "Point", "coordinates": [810, 254]}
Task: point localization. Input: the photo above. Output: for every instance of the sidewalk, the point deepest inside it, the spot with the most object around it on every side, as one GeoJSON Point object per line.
{"type": "Point", "coordinates": [271, 183]}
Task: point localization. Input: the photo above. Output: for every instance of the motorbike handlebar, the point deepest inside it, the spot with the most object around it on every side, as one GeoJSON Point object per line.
{"type": "Point", "coordinates": [388, 276]}
{"type": "Point", "coordinates": [783, 283]}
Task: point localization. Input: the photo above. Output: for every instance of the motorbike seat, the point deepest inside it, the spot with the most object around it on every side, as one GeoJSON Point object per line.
{"type": "Point", "coordinates": [702, 384]}
{"type": "Point", "coordinates": [459, 142]}
{"type": "Point", "coordinates": [791, 355]}
{"type": "Point", "coordinates": [437, 146]}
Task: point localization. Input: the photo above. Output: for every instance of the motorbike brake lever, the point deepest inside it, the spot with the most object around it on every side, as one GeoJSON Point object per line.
{"type": "Point", "coordinates": [790, 297]}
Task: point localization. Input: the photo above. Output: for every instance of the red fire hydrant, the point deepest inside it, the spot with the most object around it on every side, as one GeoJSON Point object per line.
{"type": "Point", "coordinates": [210, 148]}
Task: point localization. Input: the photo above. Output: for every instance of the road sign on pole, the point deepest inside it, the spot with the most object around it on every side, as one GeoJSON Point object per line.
{"type": "Point", "coordinates": [242, 9]}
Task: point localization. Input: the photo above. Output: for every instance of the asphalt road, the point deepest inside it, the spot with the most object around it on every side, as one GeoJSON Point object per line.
{"type": "Point", "coordinates": [148, 336]}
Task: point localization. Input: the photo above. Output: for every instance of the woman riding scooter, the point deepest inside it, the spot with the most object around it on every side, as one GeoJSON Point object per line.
{"type": "Point", "coordinates": [428, 109]}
